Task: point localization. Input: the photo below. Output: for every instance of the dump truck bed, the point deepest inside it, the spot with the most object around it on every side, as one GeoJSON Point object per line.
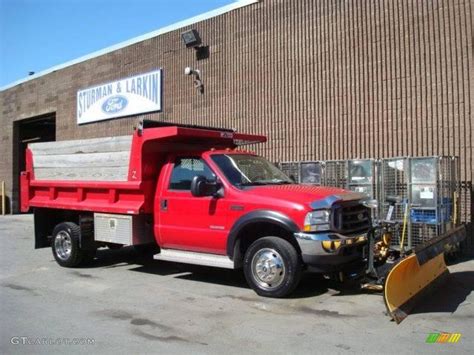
{"type": "Point", "coordinates": [113, 174]}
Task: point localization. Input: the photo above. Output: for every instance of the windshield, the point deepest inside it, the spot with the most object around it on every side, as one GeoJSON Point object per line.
{"type": "Point", "coordinates": [249, 170]}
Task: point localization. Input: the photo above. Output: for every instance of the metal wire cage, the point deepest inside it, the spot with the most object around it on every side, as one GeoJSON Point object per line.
{"type": "Point", "coordinates": [335, 173]}
{"type": "Point", "coordinates": [362, 176]}
{"type": "Point", "coordinates": [428, 189]}
{"type": "Point", "coordinates": [394, 177]}
{"type": "Point", "coordinates": [422, 232]}
{"type": "Point", "coordinates": [434, 197]}
{"type": "Point", "coordinates": [291, 169]}
{"type": "Point", "coordinates": [311, 172]}
{"type": "Point", "coordinates": [304, 172]}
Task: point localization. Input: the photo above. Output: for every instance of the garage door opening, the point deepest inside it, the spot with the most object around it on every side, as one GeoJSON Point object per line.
{"type": "Point", "coordinates": [31, 130]}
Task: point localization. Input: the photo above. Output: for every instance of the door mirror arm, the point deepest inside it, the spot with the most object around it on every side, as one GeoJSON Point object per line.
{"type": "Point", "coordinates": [219, 190]}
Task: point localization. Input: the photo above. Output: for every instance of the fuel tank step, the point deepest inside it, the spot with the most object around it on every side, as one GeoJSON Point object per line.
{"type": "Point", "coordinates": [189, 257]}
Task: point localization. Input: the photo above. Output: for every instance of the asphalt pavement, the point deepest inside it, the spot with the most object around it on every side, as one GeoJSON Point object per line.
{"type": "Point", "coordinates": [126, 304]}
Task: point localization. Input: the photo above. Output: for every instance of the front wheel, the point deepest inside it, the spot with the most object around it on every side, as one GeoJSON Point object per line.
{"type": "Point", "coordinates": [272, 267]}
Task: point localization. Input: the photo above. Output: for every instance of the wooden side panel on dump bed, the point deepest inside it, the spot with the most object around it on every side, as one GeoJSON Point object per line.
{"type": "Point", "coordinates": [100, 159]}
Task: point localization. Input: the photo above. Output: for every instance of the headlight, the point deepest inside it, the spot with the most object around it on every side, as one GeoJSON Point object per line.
{"type": "Point", "coordinates": [317, 221]}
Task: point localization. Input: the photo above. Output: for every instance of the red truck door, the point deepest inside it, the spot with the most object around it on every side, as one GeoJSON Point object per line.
{"type": "Point", "coordinates": [187, 222]}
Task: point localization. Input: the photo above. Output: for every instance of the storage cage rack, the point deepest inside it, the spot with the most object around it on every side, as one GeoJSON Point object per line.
{"type": "Point", "coordinates": [311, 172]}
{"type": "Point", "coordinates": [394, 178]}
{"type": "Point", "coordinates": [427, 188]}
{"type": "Point", "coordinates": [291, 169]}
{"type": "Point", "coordinates": [363, 176]}
{"type": "Point", "coordinates": [434, 197]}
{"type": "Point", "coordinates": [304, 172]}
{"type": "Point", "coordinates": [335, 173]}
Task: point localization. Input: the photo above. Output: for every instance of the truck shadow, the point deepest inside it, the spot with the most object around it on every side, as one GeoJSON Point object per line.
{"type": "Point", "coordinates": [446, 298]}
{"type": "Point", "coordinates": [126, 257]}
{"type": "Point", "coordinates": [311, 285]}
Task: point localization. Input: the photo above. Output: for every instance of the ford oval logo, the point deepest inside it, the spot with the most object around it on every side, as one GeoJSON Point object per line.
{"type": "Point", "coordinates": [114, 104]}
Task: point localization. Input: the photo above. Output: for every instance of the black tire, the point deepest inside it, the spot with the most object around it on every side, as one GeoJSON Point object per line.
{"type": "Point", "coordinates": [65, 245]}
{"type": "Point", "coordinates": [279, 270]}
{"type": "Point", "coordinates": [114, 246]}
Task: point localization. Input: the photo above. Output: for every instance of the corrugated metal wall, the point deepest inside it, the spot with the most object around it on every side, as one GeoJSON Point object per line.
{"type": "Point", "coordinates": [325, 79]}
{"type": "Point", "coordinates": [346, 79]}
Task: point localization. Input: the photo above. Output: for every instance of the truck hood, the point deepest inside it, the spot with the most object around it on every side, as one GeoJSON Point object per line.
{"type": "Point", "coordinates": [314, 197]}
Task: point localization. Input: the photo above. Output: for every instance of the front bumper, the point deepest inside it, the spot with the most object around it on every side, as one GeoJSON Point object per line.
{"type": "Point", "coordinates": [346, 258]}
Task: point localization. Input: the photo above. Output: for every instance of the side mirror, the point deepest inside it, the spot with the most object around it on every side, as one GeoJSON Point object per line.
{"type": "Point", "coordinates": [201, 187]}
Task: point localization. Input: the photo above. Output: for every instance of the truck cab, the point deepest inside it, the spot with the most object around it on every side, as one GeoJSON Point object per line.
{"type": "Point", "coordinates": [194, 196]}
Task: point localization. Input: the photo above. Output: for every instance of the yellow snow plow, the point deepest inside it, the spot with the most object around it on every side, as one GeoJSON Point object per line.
{"type": "Point", "coordinates": [417, 273]}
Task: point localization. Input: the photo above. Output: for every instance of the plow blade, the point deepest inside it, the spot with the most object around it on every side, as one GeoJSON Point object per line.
{"type": "Point", "coordinates": [416, 275]}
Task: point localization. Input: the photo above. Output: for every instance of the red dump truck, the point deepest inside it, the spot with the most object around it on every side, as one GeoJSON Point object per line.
{"type": "Point", "coordinates": [191, 195]}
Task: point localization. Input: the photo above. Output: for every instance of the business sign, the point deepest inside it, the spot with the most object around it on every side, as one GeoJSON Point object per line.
{"type": "Point", "coordinates": [125, 97]}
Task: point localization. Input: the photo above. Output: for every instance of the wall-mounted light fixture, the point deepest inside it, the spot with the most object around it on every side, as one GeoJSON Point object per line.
{"type": "Point", "coordinates": [192, 39]}
{"type": "Point", "coordinates": [197, 78]}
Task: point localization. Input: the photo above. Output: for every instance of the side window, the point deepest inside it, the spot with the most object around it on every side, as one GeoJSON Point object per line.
{"type": "Point", "coordinates": [185, 169]}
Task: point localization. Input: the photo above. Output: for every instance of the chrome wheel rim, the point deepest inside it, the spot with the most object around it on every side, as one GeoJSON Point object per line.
{"type": "Point", "coordinates": [63, 245]}
{"type": "Point", "coordinates": [268, 268]}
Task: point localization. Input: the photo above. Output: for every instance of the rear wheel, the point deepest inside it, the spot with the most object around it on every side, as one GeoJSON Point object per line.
{"type": "Point", "coordinates": [66, 247]}
{"type": "Point", "coordinates": [272, 267]}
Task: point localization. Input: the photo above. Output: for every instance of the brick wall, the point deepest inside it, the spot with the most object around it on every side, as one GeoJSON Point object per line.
{"type": "Point", "coordinates": [324, 79]}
